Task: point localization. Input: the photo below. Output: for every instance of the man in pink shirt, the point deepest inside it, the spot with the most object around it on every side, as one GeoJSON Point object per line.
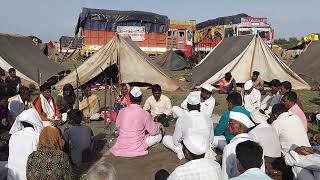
{"type": "Point", "coordinates": [132, 123]}
{"type": "Point", "coordinates": [289, 100]}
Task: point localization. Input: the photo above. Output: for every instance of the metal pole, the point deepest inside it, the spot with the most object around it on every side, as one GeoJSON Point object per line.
{"type": "Point", "coordinates": [77, 84]}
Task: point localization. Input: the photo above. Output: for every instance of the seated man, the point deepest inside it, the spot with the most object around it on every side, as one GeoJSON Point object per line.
{"type": "Point", "coordinates": [295, 145]}
{"type": "Point", "coordinates": [251, 97]}
{"type": "Point", "coordinates": [257, 81]}
{"type": "Point", "coordinates": [273, 98]}
{"type": "Point", "coordinates": [227, 84]}
{"type": "Point", "coordinates": [47, 107]}
{"type": "Point", "coordinates": [159, 106]}
{"type": "Point", "coordinates": [194, 147]}
{"type": "Point", "coordinates": [20, 102]}
{"type": "Point", "coordinates": [249, 161]}
{"type": "Point", "coordinates": [90, 104]}
{"type": "Point", "coordinates": [193, 120]}
{"type": "Point", "coordinates": [287, 87]}
{"type": "Point", "coordinates": [207, 102]}
{"type": "Point", "coordinates": [264, 134]}
{"type": "Point", "coordinates": [132, 123]}
{"type": "Point", "coordinates": [289, 100]}
{"type": "Point", "coordinates": [238, 126]}
{"type": "Point", "coordinates": [78, 138]}
{"type": "Point", "coordinates": [221, 134]}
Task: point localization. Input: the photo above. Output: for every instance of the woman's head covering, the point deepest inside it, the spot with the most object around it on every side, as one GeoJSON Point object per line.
{"type": "Point", "coordinates": [71, 98]}
{"type": "Point", "coordinates": [30, 116]}
{"type": "Point", "coordinates": [50, 137]}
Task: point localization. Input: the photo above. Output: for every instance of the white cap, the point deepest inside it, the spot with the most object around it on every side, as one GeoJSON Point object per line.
{"type": "Point", "coordinates": [193, 99]}
{"type": "Point", "coordinates": [207, 87]}
{"type": "Point", "coordinates": [242, 118]}
{"type": "Point", "coordinates": [248, 85]}
{"type": "Point", "coordinates": [259, 117]}
{"type": "Point", "coordinates": [196, 142]}
{"type": "Point", "coordinates": [318, 117]}
{"type": "Point", "coordinates": [136, 92]}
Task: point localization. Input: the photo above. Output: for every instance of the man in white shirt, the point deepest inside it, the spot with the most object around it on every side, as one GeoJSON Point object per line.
{"type": "Point", "coordinates": [193, 120]}
{"type": "Point", "coordinates": [20, 102]}
{"type": "Point", "coordinates": [158, 105]}
{"type": "Point", "coordinates": [207, 102]}
{"type": "Point", "coordinates": [273, 98]}
{"type": "Point", "coordinates": [295, 145]}
{"type": "Point", "coordinates": [251, 97]}
{"type": "Point", "coordinates": [194, 146]}
{"type": "Point", "coordinates": [23, 141]}
{"type": "Point", "coordinates": [237, 126]}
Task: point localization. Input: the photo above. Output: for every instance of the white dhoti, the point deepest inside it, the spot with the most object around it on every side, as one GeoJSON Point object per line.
{"type": "Point", "coordinates": [304, 167]}
{"type": "Point", "coordinates": [219, 142]}
{"type": "Point", "coordinates": [178, 111]}
{"type": "Point", "coordinates": [152, 140]}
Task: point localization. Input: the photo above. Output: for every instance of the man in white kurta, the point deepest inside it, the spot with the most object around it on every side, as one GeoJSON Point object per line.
{"type": "Point", "coordinates": [238, 125]}
{"type": "Point", "coordinates": [23, 141]}
{"type": "Point", "coordinates": [195, 146]}
{"type": "Point", "coordinates": [207, 102]}
{"type": "Point", "coordinates": [193, 120]}
{"type": "Point", "coordinates": [292, 136]}
{"type": "Point", "coordinates": [251, 97]}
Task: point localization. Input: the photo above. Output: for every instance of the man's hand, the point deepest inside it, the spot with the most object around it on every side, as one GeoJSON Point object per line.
{"type": "Point", "coordinates": [304, 151]}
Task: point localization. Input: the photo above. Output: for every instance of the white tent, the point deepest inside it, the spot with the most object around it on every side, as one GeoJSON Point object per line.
{"type": "Point", "coordinates": [241, 56]}
{"type": "Point", "coordinates": [134, 66]}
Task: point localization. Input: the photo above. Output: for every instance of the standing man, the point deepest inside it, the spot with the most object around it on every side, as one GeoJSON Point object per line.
{"type": "Point", "coordinates": [47, 107]}
{"type": "Point", "coordinates": [251, 97]}
{"type": "Point", "coordinates": [13, 82]}
{"type": "Point", "coordinates": [133, 122]}
{"type": "Point", "coordinates": [207, 102]}
{"type": "Point", "coordinates": [289, 100]}
{"type": "Point", "coordinates": [194, 121]}
{"type": "Point", "coordinates": [238, 126]}
{"type": "Point", "coordinates": [221, 133]}
{"type": "Point", "coordinates": [159, 106]}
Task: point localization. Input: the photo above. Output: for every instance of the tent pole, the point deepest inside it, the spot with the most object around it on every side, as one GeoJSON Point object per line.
{"type": "Point", "coordinates": [77, 84]}
{"type": "Point", "coordinates": [254, 51]}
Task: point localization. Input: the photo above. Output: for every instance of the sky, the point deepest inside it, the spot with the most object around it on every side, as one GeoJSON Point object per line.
{"type": "Point", "coordinates": [50, 19]}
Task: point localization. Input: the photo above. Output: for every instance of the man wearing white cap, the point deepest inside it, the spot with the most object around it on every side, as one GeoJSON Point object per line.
{"type": "Point", "coordinates": [295, 145]}
{"type": "Point", "coordinates": [267, 137]}
{"type": "Point", "coordinates": [193, 120]}
{"type": "Point", "coordinates": [194, 147]}
{"type": "Point", "coordinates": [132, 123]}
{"type": "Point", "coordinates": [238, 126]}
{"type": "Point", "coordinates": [251, 97]}
{"type": "Point", "coordinates": [207, 102]}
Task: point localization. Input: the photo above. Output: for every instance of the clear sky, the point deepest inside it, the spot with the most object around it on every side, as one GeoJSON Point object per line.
{"type": "Point", "coordinates": [50, 19]}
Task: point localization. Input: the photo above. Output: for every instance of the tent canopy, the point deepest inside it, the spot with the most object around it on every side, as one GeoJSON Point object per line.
{"type": "Point", "coordinates": [134, 65]}
{"type": "Point", "coordinates": [241, 56]}
{"type": "Point", "coordinates": [171, 61]}
{"type": "Point", "coordinates": [307, 65]}
{"type": "Point", "coordinates": [21, 53]}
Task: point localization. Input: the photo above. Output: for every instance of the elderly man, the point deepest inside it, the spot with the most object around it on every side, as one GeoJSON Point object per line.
{"type": "Point", "coordinates": [238, 126]}
{"type": "Point", "coordinates": [20, 102]}
{"type": "Point", "coordinates": [194, 147]}
{"type": "Point", "coordinates": [133, 122]}
{"type": "Point", "coordinates": [23, 141]}
{"type": "Point", "coordinates": [193, 120]}
{"type": "Point", "coordinates": [273, 98]}
{"type": "Point", "coordinates": [221, 133]}
{"type": "Point", "coordinates": [295, 145]}
{"type": "Point", "coordinates": [249, 160]}
{"type": "Point", "coordinates": [289, 100]}
{"type": "Point", "coordinates": [251, 97]}
{"type": "Point", "coordinates": [90, 104]}
{"type": "Point", "coordinates": [158, 105]}
{"type": "Point", "coordinates": [207, 102]}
